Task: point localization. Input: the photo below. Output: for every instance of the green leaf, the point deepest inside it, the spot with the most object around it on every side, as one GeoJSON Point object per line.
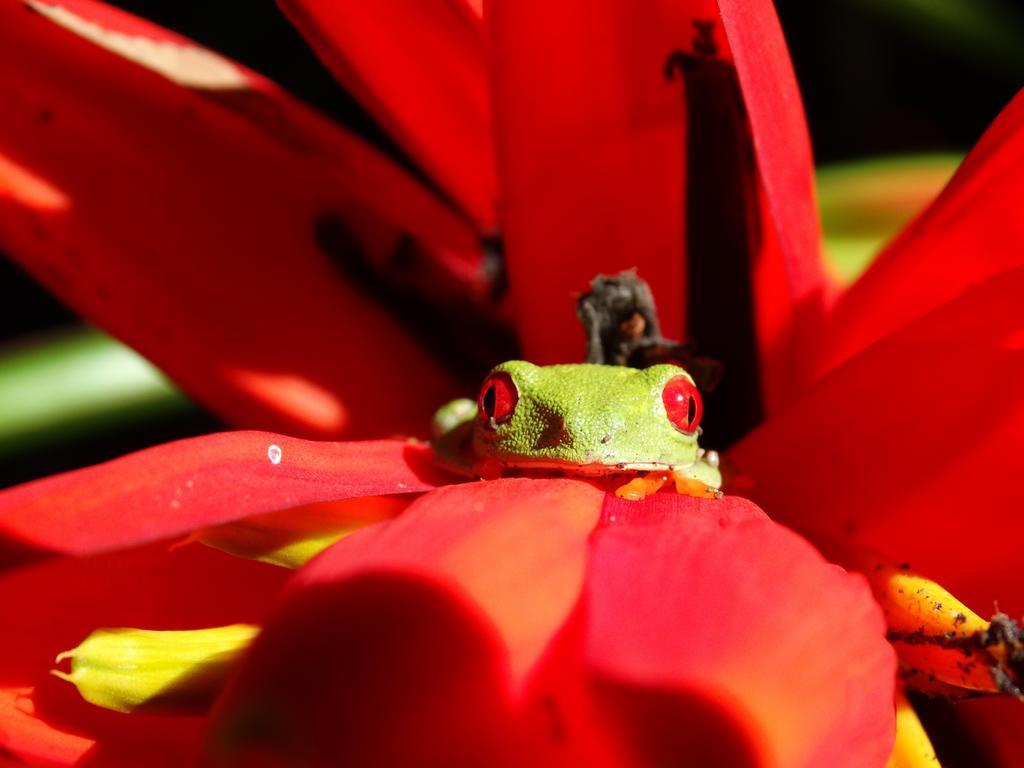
{"type": "Point", "coordinates": [67, 386]}
{"type": "Point", "coordinates": [864, 203]}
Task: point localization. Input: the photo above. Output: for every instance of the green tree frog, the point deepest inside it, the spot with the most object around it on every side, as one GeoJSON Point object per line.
{"type": "Point", "coordinates": [637, 426]}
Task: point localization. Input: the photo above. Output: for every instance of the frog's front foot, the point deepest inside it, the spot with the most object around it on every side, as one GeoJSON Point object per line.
{"type": "Point", "coordinates": [642, 486]}
{"type": "Point", "coordinates": [691, 486]}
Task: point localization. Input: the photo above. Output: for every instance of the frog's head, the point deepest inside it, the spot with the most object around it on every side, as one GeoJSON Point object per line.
{"type": "Point", "coordinates": [587, 418]}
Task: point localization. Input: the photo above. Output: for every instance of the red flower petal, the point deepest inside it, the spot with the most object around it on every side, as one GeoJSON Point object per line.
{"type": "Point", "coordinates": [175, 488]}
{"type": "Point", "coordinates": [456, 631]}
{"type": "Point", "coordinates": [419, 68]}
{"type": "Point", "coordinates": [460, 594]}
{"type": "Point", "coordinates": [51, 607]}
{"type": "Point", "coordinates": [603, 169]}
{"type": "Point", "coordinates": [715, 601]}
{"type": "Point", "coordinates": [178, 203]}
{"type": "Point", "coordinates": [25, 736]}
{"type": "Point", "coordinates": [913, 448]}
{"type": "Point", "coordinates": [962, 239]}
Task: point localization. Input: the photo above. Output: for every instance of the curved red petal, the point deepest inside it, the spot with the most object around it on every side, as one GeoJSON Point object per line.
{"type": "Point", "coordinates": [912, 448]}
{"type": "Point", "coordinates": [178, 487]}
{"type": "Point", "coordinates": [418, 67]}
{"type": "Point", "coordinates": [959, 241]}
{"type": "Point", "coordinates": [214, 223]}
{"type": "Point", "coordinates": [51, 607]}
{"type": "Point", "coordinates": [457, 631]}
{"type": "Point", "coordinates": [626, 144]}
{"type": "Point", "coordinates": [414, 638]}
{"type": "Point", "coordinates": [32, 740]}
{"type": "Point", "coordinates": [789, 281]}
{"type": "Point", "coordinates": [712, 599]}
{"type": "Point", "coordinates": [60, 601]}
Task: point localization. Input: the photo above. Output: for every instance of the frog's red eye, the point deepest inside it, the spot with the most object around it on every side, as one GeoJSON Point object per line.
{"type": "Point", "coordinates": [498, 398]}
{"type": "Point", "coordinates": [682, 404]}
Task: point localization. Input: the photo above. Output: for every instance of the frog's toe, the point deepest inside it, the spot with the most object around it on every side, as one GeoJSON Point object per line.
{"type": "Point", "coordinates": [690, 486]}
{"type": "Point", "coordinates": [641, 487]}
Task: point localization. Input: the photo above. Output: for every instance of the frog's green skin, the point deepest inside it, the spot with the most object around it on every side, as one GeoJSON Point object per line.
{"type": "Point", "coordinates": [580, 419]}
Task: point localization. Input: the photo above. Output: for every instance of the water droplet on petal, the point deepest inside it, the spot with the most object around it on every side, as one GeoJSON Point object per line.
{"type": "Point", "coordinates": [274, 454]}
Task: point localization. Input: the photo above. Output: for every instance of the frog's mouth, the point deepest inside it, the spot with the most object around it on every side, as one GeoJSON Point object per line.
{"type": "Point", "coordinates": [593, 469]}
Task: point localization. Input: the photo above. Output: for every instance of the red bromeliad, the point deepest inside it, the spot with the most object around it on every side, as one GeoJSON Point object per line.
{"type": "Point", "coordinates": [190, 207]}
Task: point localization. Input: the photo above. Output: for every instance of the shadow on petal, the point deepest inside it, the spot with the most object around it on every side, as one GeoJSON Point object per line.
{"type": "Point", "coordinates": [713, 599]}
{"type": "Point", "coordinates": [674, 727]}
{"type": "Point", "coordinates": [381, 670]}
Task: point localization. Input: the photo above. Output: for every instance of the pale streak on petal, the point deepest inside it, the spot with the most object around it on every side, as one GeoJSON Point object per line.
{"type": "Point", "coordinates": [181, 62]}
{"type": "Point", "coordinates": [29, 189]}
{"type": "Point", "coordinates": [296, 395]}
